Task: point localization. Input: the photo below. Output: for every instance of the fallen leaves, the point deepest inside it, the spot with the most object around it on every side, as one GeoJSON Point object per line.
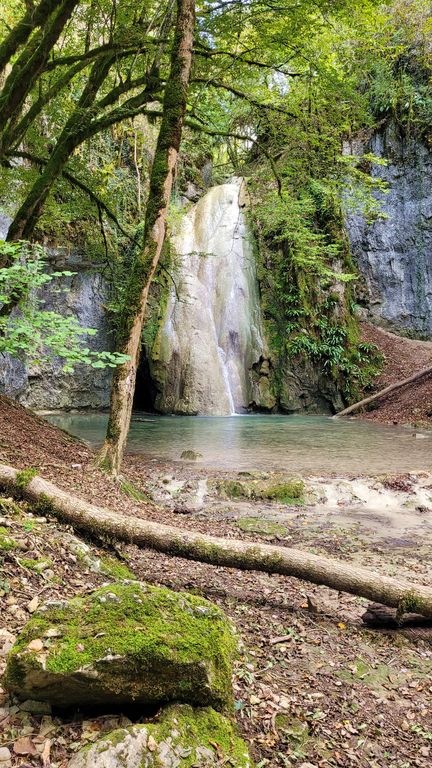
{"type": "Point", "coordinates": [24, 746]}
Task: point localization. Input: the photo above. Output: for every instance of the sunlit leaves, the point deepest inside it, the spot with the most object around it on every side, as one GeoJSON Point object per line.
{"type": "Point", "coordinates": [32, 332]}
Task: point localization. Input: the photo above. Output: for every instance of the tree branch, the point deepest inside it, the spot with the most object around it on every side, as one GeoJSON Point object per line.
{"type": "Point", "coordinates": [208, 53]}
{"type": "Point", "coordinates": [243, 95]}
{"type": "Point", "coordinates": [42, 161]}
{"type": "Point", "coordinates": [99, 51]}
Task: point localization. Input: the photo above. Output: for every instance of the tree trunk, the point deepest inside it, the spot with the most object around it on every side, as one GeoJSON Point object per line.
{"type": "Point", "coordinates": [384, 392]}
{"type": "Point", "coordinates": [145, 265]}
{"type": "Point", "coordinates": [46, 498]}
{"type": "Point", "coordinates": [19, 35]}
{"type": "Point", "coordinates": [31, 63]}
{"type": "Point", "coordinates": [76, 130]}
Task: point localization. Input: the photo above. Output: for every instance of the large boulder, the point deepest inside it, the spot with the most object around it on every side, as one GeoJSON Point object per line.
{"type": "Point", "coordinates": [182, 738]}
{"type": "Point", "coordinates": [125, 643]}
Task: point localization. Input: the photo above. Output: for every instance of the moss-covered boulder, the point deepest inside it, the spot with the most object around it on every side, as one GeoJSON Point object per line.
{"type": "Point", "coordinates": [181, 738]}
{"type": "Point", "coordinates": [286, 490]}
{"type": "Point", "coordinates": [125, 643]}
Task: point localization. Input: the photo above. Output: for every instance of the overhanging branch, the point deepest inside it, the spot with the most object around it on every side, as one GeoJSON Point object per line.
{"type": "Point", "coordinates": [41, 161]}
{"type": "Point", "coordinates": [243, 95]}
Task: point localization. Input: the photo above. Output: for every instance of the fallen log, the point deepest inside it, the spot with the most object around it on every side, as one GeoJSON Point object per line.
{"type": "Point", "coordinates": [384, 392]}
{"type": "Point", "coordinates": [381, 617]}
{"type": "Point", "coordinates": [48, 499]}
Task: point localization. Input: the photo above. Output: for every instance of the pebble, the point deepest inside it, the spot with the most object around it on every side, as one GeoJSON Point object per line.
{"type": "Point", "coordinates": [5, 756]}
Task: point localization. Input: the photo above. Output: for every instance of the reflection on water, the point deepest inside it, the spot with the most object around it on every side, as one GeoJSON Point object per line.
{"type": "Point", "coordinates": [295, 443]}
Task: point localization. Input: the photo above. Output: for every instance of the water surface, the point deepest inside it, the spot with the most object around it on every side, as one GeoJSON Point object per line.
{"type": "Point", "coordinates": [304, 444]}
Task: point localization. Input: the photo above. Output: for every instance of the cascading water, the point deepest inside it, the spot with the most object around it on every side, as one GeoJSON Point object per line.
{"type": "Point", "coordinates": [211, 334]}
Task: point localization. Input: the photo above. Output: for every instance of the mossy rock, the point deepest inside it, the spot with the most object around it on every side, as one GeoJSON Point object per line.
{"type": "Point", "coordinates": [191, 455]}
{"type": "Point", "coordinates": [125, 643]}
{"type": "Point", "coordinates": [182, 738]}
{"type": "Point", "coordinates": [6, 542]}
{"type": "Point", "coordinates": [277, 488]}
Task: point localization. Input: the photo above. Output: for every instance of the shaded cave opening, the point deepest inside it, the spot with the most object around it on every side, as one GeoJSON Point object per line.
{"type": "Point", "coordinates": [145, 389]}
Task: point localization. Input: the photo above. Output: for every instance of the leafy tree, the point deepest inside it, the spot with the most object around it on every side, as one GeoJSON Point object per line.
{"type": "Point", "coordinates": [33, 333]}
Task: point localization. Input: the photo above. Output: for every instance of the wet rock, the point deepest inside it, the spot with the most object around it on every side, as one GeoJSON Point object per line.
{"type": "Point", "coordinates": [125, 643]}
{"type": "Point", "coordinates": [82, 294]}
{"type": "Point", "coordinates": [210, 336]}
{"type": "Point", "coordinates": [276, 488]}
{"type": "Point", "coordinates": [182, 738]}
{"type": "Point", "coordinates": [191, 455]}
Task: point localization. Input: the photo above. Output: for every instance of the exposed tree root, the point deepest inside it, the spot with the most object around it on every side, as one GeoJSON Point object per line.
{"type": "Point", "coordinates": [48, 499]}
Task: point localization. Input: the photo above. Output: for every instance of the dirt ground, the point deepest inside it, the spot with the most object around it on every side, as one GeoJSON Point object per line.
{"type": "Point", "coordinates": [313, 686]}
{"type": "Point", "coordinates": [403, 358]}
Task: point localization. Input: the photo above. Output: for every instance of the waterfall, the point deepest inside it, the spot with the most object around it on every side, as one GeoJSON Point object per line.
{"type": "Point", "coordinates": [211, 334]}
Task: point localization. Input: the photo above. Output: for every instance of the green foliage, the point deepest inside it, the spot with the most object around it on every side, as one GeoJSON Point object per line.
{"type": "Point", "coordinates": [25, 476]}
{"type": "Point", "coordinates": [7, 543]}
{"type": "Point", "coordinates": [34, 333]}
{"type": "Point", "coordinates": [399, 78]}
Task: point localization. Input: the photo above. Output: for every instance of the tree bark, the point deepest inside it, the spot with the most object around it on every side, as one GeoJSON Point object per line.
{"type": "Point", "coordinates": [145, 265]}
{"type": "Point", "coordinates": [47, 498]}
{"type": "Point", "coordinates": [74, 133]}
{"type": "Point", "coordinates": [19, 35]}
{"type": "Point", "coordinates": [384, 392]}
{"type": "Point", "coordinates": [31, 62]}
{"type": "Point", "coordinates": [81, 126]}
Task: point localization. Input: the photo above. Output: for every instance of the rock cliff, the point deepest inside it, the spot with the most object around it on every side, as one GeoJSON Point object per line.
{"type": "Point", "coordinates": [46, 385]}
{"type": "Point", "coordinates": [394, 254]}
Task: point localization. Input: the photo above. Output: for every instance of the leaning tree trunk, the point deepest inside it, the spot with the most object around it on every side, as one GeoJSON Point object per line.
{"type": "Point", "coordinates": [31, 63]}
{"type": "Point", "coordinates": [76, 130]}
{"type": "Point", "coordinates": [46, 498]}
{"type": "Point", "coordinates": [385, 392]}
{"type": "Point", "coordinates": [19, 35]}
{"type": "Point", "coordinates": [145, 265]}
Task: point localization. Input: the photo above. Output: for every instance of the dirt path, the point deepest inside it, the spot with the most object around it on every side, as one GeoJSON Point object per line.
{"type": "Point", "coordinates": [403, 357]}
{"type": "Point", "coordinates": [313, 686]}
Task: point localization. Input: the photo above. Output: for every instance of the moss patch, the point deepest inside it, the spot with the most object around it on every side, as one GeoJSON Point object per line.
{"type": "Point", "coordinates": [35, 565]}
{"type": "Point", "coordinates": [24, 477]}
{"type": "Point", "coordinates": [6, 542]}
{"type": "Point", "coordinates": [116, 570]}
{"type": "Point", "coordinates": [124, 643]}
{"type": "Point", "coordinates": [132, 491]}
{"type": "Point", "coordinates": [264, 527]}
{"type": "Point", "coordinates": [377, 677]}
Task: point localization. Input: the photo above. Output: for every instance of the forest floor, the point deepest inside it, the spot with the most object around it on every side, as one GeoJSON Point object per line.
{"type": "Point", "coordinates": [403, 357]}
{"type": "Point", "coordinates": [314, 687]}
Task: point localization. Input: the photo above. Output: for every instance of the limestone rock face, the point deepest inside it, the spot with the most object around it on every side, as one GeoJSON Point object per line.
{"type": "Point", "coordinates": [182, 738]}
{"type": "Point", "coordinates": [45, 385]}
{"type": "Point", "coordinates": [394, 255]}
{"type": "Point", "coordinates": [125, 643]}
